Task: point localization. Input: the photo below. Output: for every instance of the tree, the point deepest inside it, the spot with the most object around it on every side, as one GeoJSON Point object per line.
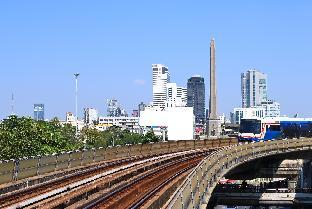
{"type": "Point", "coordinates": [151, 137]}
{"type": "Point", "coordinates": [24, 137]}
{"type": "Point", "coordinates": [94, 138]}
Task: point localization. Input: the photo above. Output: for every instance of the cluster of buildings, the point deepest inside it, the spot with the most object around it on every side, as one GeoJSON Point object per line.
{"type": "Point", "coordinates": [168, 114]}
{"type": "Point", "coordinates": [173, 113]}
{"type": "Point", "coordinates": [168, 95]}
{"type": "Point", "coordinates": [179, 113]}
{"type": "Point", "coordinates": [255, 100]}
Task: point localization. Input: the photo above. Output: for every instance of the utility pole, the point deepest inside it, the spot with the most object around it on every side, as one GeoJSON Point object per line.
{"type": "Point", "coordinates": [76, 94]}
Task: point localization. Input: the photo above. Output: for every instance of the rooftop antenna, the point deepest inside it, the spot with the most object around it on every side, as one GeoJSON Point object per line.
{"type": "Point", "coordinates": [12, 104]}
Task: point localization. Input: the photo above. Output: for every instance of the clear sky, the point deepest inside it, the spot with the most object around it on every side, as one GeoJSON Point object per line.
{"type": "Point", "coordinates": [113, 44]}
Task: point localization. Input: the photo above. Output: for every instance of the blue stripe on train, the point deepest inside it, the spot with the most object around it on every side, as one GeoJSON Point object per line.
{"type": "Point", "coordinates": [272, 135]}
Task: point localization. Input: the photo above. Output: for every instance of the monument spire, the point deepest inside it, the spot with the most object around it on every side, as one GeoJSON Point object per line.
{"type": "Point", "coordinates": [213, 85]}
{"type": "Point", "coordinates": [213, 123]}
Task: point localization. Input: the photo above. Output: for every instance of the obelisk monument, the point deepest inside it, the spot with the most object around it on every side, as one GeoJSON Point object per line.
{"type": "Point", "coordinates": [213, 123]}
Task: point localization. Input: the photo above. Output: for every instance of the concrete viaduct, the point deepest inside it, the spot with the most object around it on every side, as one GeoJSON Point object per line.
{"type": "Point", "coordinates": [196, 190]}
{"type": "Point", "coordinates": [225, 158]}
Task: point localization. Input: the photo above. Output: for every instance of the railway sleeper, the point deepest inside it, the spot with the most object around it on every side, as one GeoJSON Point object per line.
{"type": "Point", "coordinates": [114, 184]}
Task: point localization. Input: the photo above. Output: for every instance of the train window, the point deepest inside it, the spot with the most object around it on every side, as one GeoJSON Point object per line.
{"type": "Point", "coordinates": [250, 126]}
{"type": "Point", "coordinates": [275, 128]}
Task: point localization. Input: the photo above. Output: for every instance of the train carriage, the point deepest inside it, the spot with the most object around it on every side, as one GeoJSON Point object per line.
{"type": "Point", "coordinates": [257, 129]}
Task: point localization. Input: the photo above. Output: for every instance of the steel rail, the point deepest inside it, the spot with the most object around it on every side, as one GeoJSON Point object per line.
{"type": "Point", "coordinates": [158, 188]}
{"type": "Point", "coordinates": [106, 197]}
{"type": "Point", "coordinates": [72, 186]}
{"type": "Point", "coordinates": [67, 179]}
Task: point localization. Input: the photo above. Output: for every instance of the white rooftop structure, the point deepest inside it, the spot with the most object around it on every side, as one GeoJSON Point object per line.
{"type": "Point", "coordinates": [179, 121]}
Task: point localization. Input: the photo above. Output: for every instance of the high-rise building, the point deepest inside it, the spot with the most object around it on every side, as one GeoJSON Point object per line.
{"type": "Point", "coordinates": [161, 77]}
{"type": "Point", "coordinates": [38, 111]}
{"type": "Point", "coordinates": [196, 97]}
{"type": "Point", "coordinates": [114, 109]}
{"type": "Point", "coordinates": [253, 88]}
{"type": "Point", "coordinates": [90, 116]}
{"type": "Point", "coordinates": [176, 96]}
{"type": "Point", "coordinates": [141, 107]}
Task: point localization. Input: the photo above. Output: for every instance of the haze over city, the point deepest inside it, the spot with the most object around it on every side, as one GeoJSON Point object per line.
{"type": "Point", "coordinates": [113, 46]}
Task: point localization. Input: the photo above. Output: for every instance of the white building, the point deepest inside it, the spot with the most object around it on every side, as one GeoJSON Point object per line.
{"type": "Point", "coordinates": [161, 77]}
{"type": "Point", "coordinates": [179, 121]}
{"type": "Point", "coordinates": [129, 123]}
{"type": "Point", "coordinates": [250, 112]}
{"type": "Point", "coordinates": [222, 118]}
{"type": "Point", "coordinates": [176, 96]}
{"type": "Point", "coordinates": [253, 88]}
{"type": "Point", "coordinates": [90, 116]}
{"type": "Point", "coordinates": [70, 119]}
{"type": "Point", "coordinates": [182, 93]}
{"type": "Point", "coordinates": [272, 108]}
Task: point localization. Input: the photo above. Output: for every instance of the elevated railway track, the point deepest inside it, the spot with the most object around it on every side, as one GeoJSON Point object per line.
{"type": "Point", "coordinates": [117, 186]}
{"type": "Point", "coordinates": [122, 172]}
{"type": "Point", "coordinates": [198, 187]}
{"type": "Point", "coordinates": [143, 176]}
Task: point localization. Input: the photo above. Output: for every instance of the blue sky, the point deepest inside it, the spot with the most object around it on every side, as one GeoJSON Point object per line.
{"type": "Point", "coordinates": [114, 43]}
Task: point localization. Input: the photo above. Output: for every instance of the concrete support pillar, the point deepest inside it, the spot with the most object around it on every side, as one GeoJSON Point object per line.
{"type": "Point", "coordinates": [307, 174]}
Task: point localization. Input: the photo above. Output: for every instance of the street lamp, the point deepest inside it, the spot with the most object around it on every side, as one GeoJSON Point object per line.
{"type": "Point", "coordinates": [76, 94]}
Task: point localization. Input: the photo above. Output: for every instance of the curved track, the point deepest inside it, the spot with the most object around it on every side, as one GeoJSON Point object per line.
{"type": "Point", "coordinates": [126, 183]}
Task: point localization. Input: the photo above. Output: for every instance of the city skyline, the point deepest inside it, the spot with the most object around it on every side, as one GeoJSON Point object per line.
{"type": "Point", "coordinates": [113, 51]}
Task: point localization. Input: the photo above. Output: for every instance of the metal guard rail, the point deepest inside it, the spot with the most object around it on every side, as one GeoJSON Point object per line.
{"type": "Point", "coordinates": [196, 190]}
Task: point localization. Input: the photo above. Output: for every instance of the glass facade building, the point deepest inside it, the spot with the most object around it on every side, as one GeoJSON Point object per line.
{"type": "Point", "coordinates": [38, 111]}
{"type": "Point", "coordinates": [253, 88]}
{"type": "Point", "coordinates": [196, 97]}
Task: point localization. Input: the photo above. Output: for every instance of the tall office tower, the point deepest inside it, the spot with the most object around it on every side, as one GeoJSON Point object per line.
{"type": "Point", "coordinates": [253, 88]}
{"type": "Point", "coordinates": [213, 123]}
{"type": "Point", "coordinates": [176, 96]}
{"type": "Point", "coordinates": [161, 77]}
{"type": "Point", "coordinates": [196, 97]}
{"type": "Point", "coordinates": [38, 112]}
{"type": "Point", "coordinates": [90, 116]}
{"type": "Point", "coordinates": [114, 109]}
{"type": "Point", "coordinates": [141, 107]}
